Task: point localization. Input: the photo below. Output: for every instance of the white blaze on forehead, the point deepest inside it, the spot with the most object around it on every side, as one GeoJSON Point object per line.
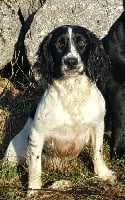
{"type": "Point", "coordinates": [70, 34]}
{"type": "Point", "coordinates": [73, 51]}
{"type": "Point", "coordinates": [72, 47]}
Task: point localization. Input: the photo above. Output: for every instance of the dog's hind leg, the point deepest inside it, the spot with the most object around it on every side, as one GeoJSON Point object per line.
{"type": "Point", "coordinates": [100, 167]}
{"type": "Point", "coordinates": [17, 148]}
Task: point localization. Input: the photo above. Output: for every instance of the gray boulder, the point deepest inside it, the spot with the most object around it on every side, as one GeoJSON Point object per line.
{"type": "Point", "coordinates": [9, 30]}
{"type": "Point", "coordinates": [13, 15]}
{"type": "Point", "coordinates": [95, 15]}
{"type": "Point", "coordinates": [28, 7]}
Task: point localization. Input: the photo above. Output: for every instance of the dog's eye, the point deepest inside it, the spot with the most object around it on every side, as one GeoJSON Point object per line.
{"type": "Point", "coordinates": [60, 44]}
{"type": "Point", "coordinates": [81, 43]}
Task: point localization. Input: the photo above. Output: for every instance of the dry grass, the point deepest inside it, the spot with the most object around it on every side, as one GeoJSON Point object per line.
{"type": "Point", "coordinates": [15, 106]}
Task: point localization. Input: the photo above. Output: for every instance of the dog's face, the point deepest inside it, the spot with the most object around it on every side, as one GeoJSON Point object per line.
{"type": "Point", "coordinates": [69, 51]}
{"type": "Point", "coordinates": [70, 47]}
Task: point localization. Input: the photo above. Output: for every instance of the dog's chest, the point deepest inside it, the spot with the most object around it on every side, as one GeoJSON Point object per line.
{"type": "Point", "coordinates": [71, 102]}
{"type": "Point", "coordinates": [67, 114]}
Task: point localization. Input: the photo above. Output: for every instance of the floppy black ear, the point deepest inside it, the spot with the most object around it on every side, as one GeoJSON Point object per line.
{"type": "Point", "coordinates": [44, 63]}
{"type": "Point", "coordinates": [99, 67]}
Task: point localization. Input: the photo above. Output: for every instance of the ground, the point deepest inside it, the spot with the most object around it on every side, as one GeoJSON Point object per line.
{"type": "Point", "coordinates": [15, 105]}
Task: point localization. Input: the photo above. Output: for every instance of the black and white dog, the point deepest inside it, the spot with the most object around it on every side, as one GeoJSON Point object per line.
{"type": "Point", "coordinates": [72, 109]}
{"type": "Point", "coordinates": [114, 45]}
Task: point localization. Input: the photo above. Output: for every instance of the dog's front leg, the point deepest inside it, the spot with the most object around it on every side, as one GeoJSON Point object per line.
{"type": "Point", "coordinates": [35, 150]}
{"type": "Point", "coordinates": [100, 167]}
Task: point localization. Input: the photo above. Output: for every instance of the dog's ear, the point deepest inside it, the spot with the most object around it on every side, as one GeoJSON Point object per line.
{"type": "Point", "coordinates": [44, 63]}
{"type": "Point", "coordinates": [99, 67]}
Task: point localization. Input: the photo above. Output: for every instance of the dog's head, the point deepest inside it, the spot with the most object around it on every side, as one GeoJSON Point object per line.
{"type": "Point", "coordinates": [70, 48]}
{"type": "Point", "coordinates": [69, 51]}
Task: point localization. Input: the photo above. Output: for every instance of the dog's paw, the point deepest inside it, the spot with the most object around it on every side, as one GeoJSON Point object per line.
{"type": "Point", "coordinates": [109, 176]}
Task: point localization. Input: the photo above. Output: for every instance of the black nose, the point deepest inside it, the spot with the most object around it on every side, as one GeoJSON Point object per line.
{"type": "Point", "coordinates": [71, 62]}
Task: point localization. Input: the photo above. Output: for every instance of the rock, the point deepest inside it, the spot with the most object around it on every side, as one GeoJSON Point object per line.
{"type": "Point", "coordinates": [28, 7]}
{"type": "Point", "coordinates": [95, 15]}
{"type": "Point", "coordinates": [61, 185]}
{"type": "Point", "coordinates": [15, 22]}
{"type": "Point", "coordinates": [13, 15]}
{"type": "Point", "coordinates": [9, 30]}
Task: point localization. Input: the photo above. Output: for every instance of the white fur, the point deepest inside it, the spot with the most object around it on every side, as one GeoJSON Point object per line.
{"type": "Point", "coordinates": [70, 112]}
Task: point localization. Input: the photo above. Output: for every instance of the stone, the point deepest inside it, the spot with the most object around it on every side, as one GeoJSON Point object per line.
{"type": "Point", "coordinates": [95, 15]}
{"type": "Point", "coordinates": [13, 18]}
{"type": "Point", "coordinates": [9, 30]}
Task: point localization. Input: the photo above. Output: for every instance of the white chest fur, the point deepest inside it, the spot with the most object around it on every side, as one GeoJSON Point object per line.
{"type": "Point", "coordinates": [67, 113]}
{"type": "Point", "coordinates": [68, 102]}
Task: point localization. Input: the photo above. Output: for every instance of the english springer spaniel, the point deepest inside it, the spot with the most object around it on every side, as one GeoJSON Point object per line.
{"type": "Point", "coordinates": [114, 45]}
{"type": "Point", "coordinates": [72, 109]}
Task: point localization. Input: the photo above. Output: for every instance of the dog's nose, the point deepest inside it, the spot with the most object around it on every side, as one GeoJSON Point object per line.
{"type": "Point", "coordinates": [71, 62]}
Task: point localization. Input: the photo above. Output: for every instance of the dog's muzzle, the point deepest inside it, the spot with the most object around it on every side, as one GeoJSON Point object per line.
{"type": "Point", "coordinates": [72, 65]}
